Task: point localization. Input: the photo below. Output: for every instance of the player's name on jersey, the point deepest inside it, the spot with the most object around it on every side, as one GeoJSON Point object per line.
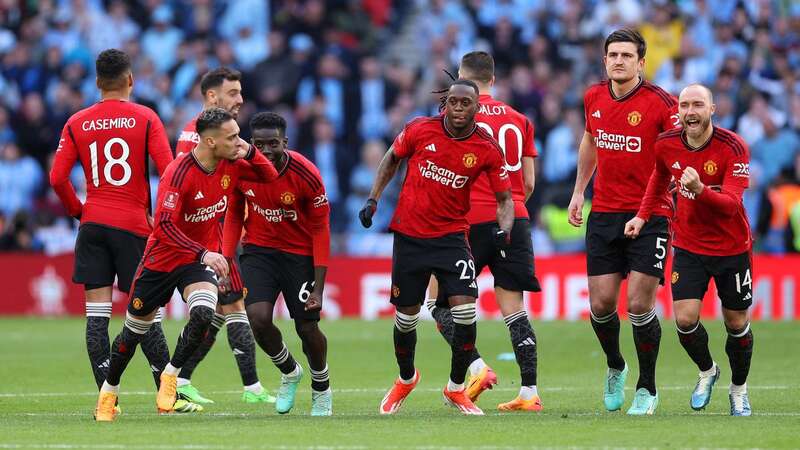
{"type": "Point", "coordinates": [189, 136]}
{"type": "Point", "coordinates": [619, 142]}
{"type": "Point", "coordinates": [442, 175]}
{"type": "Point", "coordinates": [275, 215]}
{"type": "Point", "coordinates": [208, 212]}
{"type": "Point", "coordinates": [493, 110]}
{"type": "Point", "coordinates": [109, 124]}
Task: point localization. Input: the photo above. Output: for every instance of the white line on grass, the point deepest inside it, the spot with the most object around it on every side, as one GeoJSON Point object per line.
{"type": "Point", "coordinates": [312, 447]}
{"type": "Point", "coordinates": [375, 414]}
{"type": "Point", "coordinates": [381, 390]}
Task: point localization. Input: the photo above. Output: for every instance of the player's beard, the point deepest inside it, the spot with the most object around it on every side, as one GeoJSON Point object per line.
{"type": "Point", "coordinates": [696, 132]}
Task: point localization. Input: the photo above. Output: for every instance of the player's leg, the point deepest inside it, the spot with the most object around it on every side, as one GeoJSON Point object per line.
{"type": "Point", "coordinates": [689, 280]}
{"type": "Point", "coordinates": [410, 275]}
{"type": "Point", "coordinates": [94, 268]}
{"type": "Point", "coordinates": [315, 346]}
{"type": "Point", "coordinates": [198, 285]}
{"type": "Point", "coordinates": [735, 288]}
{"type": "Point", "coordinates": [186, 389]}
{"type": "Point", "coordinates": [242, 344]}
{"type": "Point", "coordinates": [605, 266]}
{"type": "Point", "coordinates": [155, 348]}
{"type": "Point", "coordinates": [646, 256]}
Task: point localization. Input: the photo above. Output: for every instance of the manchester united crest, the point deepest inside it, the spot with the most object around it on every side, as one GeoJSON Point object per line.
{"type": "Point", "coordinates": [225, 181]}
{"type": "Point", "coordinates": [470, 160]}
{"type": "Point", "coordinates": [710, 167]}
{"type": "Point", "coordinates": [634, 118]}
{"type": "Point", "coordinates": [137, 303]}
{"type": "Point", "coordinates": [675, 277]}
{"type": "Point", "coordinates": [287, 198]}
{"type": "Point", "coordinates": [395, 291]}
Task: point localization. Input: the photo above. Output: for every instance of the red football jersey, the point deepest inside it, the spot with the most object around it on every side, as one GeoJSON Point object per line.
{"type": "Point", "coordinates": [514, 133]}
{"type": "Point", "coordinates": [188, 138]}
{"type": "Point", "coordinates": [713, 222]}
{"type": "Point", "coordinates": [434, 199]}
{"type": "Point", "coordinates": [624, 131]}
{"type": "Point", "coordinates": [112, 139]}
{"type": "Point", "coordinates": [290, 214]}
{"type": "Point", "coordinates": [191, 202]}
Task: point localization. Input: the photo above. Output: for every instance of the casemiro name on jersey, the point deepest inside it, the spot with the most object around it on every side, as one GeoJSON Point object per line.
{"type": "Point", "coordinates": [109, 124]}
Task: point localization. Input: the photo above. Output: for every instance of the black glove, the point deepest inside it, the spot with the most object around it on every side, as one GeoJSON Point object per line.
{"type": "Point", "coordinates": [502, 240]}
{"type": "Point", "coordinates": [365, 215]}
{"type": "Point", "coordinates": [234, 288]}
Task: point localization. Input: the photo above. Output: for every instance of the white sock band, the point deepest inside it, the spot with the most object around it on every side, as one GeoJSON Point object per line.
{"type": "Point", "coordinates": [696, 326]}
{"type": "Point", "coordinates": [218, 321]}
{"type": "Point", "coordinates": [738, 335]}
{"type": "Point", "coordinates": [234, 317]}
{"type": "Point", "coordinates": [98, 309]}
{"type": "Point", "coordinates": [159, 315]}
{"type": "Point", "coordinates": [640, 320]}
{"type": "Point", "coordinates": [603, 319]}
{"type": "Point", "coordinates": [202, 297]}
{"type": "Point", "coordinates": [136, 325]}
{"type": "Point", "coordinates": [519, 315]}
{"type": "Point", "coordinates": [319, 376]}
{"type": "Point", "coordinates": [405, 323]}
{"type": "Point", "coordinates": [464, 314]}
{"type": "Point", "coordinates": [281, 357]}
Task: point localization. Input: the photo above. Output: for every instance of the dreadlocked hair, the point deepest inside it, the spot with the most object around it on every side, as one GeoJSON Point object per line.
{"type": "Point", "coordinates": [459, 81]}
{"type": "Point", "coordinates": [443, 92]}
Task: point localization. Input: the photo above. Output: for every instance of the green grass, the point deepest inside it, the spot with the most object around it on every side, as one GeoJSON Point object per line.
{"type": "Point", "coordinates": [47, 395]}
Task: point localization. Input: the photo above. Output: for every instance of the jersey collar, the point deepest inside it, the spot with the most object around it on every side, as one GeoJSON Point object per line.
{"type": "Point", "coordinates": [447, 133]}
{"type": "Point", "coordinates": [703, 146]}
{"type": "Point", "coordinates": [626, 96]}
{"type": "Point", "coordinates": [200, 166]}
{"type": "Point", "coordinates": [288, 161]}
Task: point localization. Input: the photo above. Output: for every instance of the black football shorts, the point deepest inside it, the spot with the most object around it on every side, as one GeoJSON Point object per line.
{"type": "Point", "coordinates": [414, 260]}
{"type": "Point", "coordinates": [103, 253]}
{"type": "Point", "coordinates": [609, 251]}
{"type": "Point", "coordinates": [152, 289]}
{"type": "Point", "coordinates": [266, 272]}
{"type": "Point", "coordinates": [513, 268]}
{"type": "Point", "coordinates": [733, 276]}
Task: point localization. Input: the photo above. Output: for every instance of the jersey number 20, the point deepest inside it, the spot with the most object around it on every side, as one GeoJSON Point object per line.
{"type": "Point", "coordinates": [501, 140]}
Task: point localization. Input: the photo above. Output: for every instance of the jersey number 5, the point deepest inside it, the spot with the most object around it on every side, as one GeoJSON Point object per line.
{"type": "Point", "coordinates": [110, 162]}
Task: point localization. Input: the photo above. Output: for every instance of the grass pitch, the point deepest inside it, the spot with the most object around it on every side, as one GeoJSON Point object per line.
{"type": "Point", "coordinates": [47, 395]}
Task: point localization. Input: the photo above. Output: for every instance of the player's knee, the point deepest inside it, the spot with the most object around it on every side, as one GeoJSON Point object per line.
{"type": "Point", "coordinates": [138, 325]}
{"type": "Point", "coordinates": [306, 328]}
{"type": "Point", "coordinates": [201, 315]}
{"type": "Point", "coordinates": [735, 324]}
{"type": "Point", "coordinates": [259, 320]}
{"type": "Point", "coordinates": [405, 323]}
{"type": "Point", "coordinates": [685, 322]}
{"type": "Point", "coordinates": [638, 304]}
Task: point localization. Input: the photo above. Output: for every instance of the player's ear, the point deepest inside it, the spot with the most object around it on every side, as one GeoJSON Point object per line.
{"type": "Point", "coordinates": [713, 108]}
{"type": "Point", "coordinates": [130, 79]}
{"type": "Point", "coordinates": [491, 82]}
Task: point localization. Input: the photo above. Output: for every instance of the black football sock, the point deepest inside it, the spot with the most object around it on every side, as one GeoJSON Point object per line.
{"type": "Point", "coordinates": [202, 350]}
{"type": "Point", "coordinates": [739, 348]}
{"type": "Point", "coordinates": [320, 381]}
{"type": "Point", "coordinates": [446, 327]}
{"type": "Point", "coordinates": [695, 341]}
{"type": "Point", "coordinates": [124, 347]}
{"type": "Point", "coordinates": [607, 330]}
{"type": "Point", "coordinates": [200, 317]}
{"type": "Point", "coordinates": [405, 343]}
{"type": "Point", "coordinates": [155, 349]}
{"type": "Point", "coordinates": [524, 341]}
{"type": "Point", "coordinates": [240, 339]}
{"type": "Point", "coordinates": [646, 337]}
{"type": "Point", "coordinates": [97, 342]}
{"type": "Point", "coordinates": [464, 335]}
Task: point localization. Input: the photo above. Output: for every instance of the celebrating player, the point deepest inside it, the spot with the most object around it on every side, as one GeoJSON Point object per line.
{"type": "Point", "coordinates": [446, 155]}
{"type": "Point", "coordinates": [712, 238]}
{"type": "Point", "coordinates": [192, 197]}
{"type": "Point", "coordinates": [222, 88]}
{"type": "Point", "coordinates": [286, 249]}
{"type": "Point", "coordinates": [113, 140]}
{"type": "Point", "coordinates": [513, 267]}
{"type": "Point", "coordinates": [624, 115]}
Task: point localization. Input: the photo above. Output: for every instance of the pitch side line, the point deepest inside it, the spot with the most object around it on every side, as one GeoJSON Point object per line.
{"type": "Point", "coordinates": [177, 416]}
{"type": "Point", "coordinates": [381, 390]}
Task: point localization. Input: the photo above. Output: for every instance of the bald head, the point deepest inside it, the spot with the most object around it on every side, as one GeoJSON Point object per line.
{"type": "Point", "coordinates": [697, 89]}
{"type": "Point", "coordinates": [695, 108]}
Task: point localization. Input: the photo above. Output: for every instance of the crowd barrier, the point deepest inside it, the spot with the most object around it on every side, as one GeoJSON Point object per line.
{"type": "Point", "coordinates": [35, 284]}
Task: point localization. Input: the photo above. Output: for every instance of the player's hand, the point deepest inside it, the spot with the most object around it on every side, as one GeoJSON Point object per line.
{"type": "Point", "coordinates": [691, 180]}
{"type": "Point", "coordinates": [242, 149]}
{"type": "Point", "coordinates": [231, 288]}
{"type": "Point", "coordinates": [575, 210]}
{"type": "Point", "coordinates": [366, 213]}
{"type": "Point", "coordinates": [150, 221]}
{"type": "Point", "coordinates": [633, 227]}
{"type": "Point", "coordinates": [314, 302]}
{"type": "Point", "coordinates": [217, 263]}
{"type": "Point", "coordinates": [502, 238]}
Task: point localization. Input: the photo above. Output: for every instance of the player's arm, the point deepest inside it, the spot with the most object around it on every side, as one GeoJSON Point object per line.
{"type": "Point", "coordinates": [386, 171]}
{"type": "Point", "coordinates": [170, 200]}
{"type": "Point", "coordinates": [657, 186]}
{"type": "Point", "coordinates": [529, 154]}
{"type": "Point", "coordinates": [158, 144]}
{"type": "Point", "coordinates": [253, 165]}
{"type": "Point", "coordinates": [587, 162]}
{"type": "Point", "coordinates": [234, 219]}
{"type": "Point", "coordinates": [319, 221]}
{"type": "Point", "coordinates": [505, 211]}
{"type": "Point", "coordinates": [725, 200]}
{"type": "Point", "coordinates": [64, 161]}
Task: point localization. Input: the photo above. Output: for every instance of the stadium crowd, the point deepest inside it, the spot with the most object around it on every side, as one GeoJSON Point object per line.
{"type": "Point", "coordinates": [348, 74]}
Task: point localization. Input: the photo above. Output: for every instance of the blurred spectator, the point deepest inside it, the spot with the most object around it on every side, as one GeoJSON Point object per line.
{"type": "Point", "coordinates": [36, 135]}
{"type": "Point", "coordinates": [160, 42]}
{"type": "Point", "coordinates": [663, 35]}
{"type": "Point", "coordinates": [18, 236]}
{"type": "Point", "coordinates": [751, 124]}
{"type": "Point", "coordinates": [560, 155]}
{"type": "Point", "coordinates": [20, 179]}
{"type": "Point", "coordinates": [776, 150]}
{"type": "Point", "coordinates": [375, 95]}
